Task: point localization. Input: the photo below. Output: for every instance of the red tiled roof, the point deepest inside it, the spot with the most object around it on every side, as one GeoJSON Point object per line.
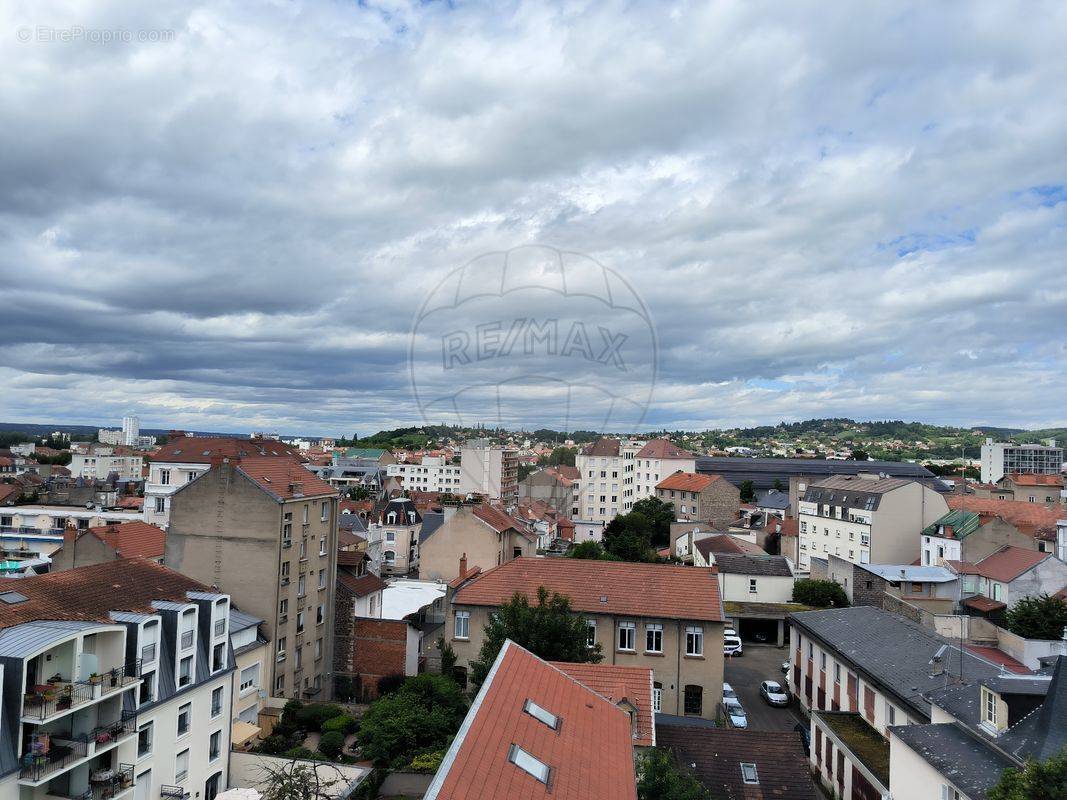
{"type": "Point", "coordinates": [202, 449]}
{"type": "Point", "coordinates": [565, 473]}
{"type": "Point", "coordinates": [90, 593]}
{"type": "Point", "coordinates": [1029, 518]}
{"type": "Point", "coordinates": [589, 756]}
{"type": "Point", "coordinates": [618, 683]}
{"type": "Point", "coordinates": [130, 501]}
{"type": "Point", "coordinates": [663, 449]}
{"type": "Point", "coordinates": [602, 447]}
{"type": "Point", "coordinates": [355, 506]}
{"type": "Point", "coordinates": [982, 603]}
{"type": "Point", "coordinates": [725, 543]}
{"type": "Point", "coordinates": [1008, 563]}
{"type": "Point", "coordinates": [603, 587]}
{"type": "Point", "coordinates": [960, 567]}
{"type": "Point", "coordinates": [1030, 479]}
{"type": "Point", "coordinates": [132, 539]}
{"type": "Point", "coordinates": [350, 558]}
{"type": "Point", "coordinates": [498, 519]}
{"type": "Point", "coordinates": [687, 481]}
{"type": "Point", "coordinates": [361, 586]}
{"type": "Point", "coordinates": [9, 492]}
{"type": "Point", "coordinates": [285, 478]}
{"type": "Point", "coordinates": [999, 657]}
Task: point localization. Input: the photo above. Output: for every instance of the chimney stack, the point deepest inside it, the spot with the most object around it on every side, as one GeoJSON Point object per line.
{"type": "Point", "coordinates": [70, 532]}
{"type": "Point", "coordinates": [463, 565]}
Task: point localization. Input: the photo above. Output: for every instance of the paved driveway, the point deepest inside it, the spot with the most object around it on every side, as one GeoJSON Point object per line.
{"type": "Point", "coordinates": [746, 673]}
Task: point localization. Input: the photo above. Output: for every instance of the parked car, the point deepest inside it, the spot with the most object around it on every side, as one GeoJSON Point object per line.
{"type": "Point", "coordinates": [731, 646]}
{"type": "Point", "coordinates": [805, 735]}
{"type": "Point", "coordinates": [786, 666]}
{"type": "Point", "coordinates": [774, 693]}
{"type": "Point", "coordinates": [735, 713]}
{"type": "Point", "coordinates": [728, 691]}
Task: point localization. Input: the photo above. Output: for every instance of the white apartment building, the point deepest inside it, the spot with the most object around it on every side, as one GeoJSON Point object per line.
{"type": "Point", "coordinates": [1002, 458]}
{"type": "Point", "coordinates": [656, 461]}
{"type": "Point", "coordinates": [251, 651]}
{"type": "Point", "coordinates": [40, 528]}
{"type": "Point", "coordinates": [102, 461]}
{"type": "Point", "coordinates": [431, 474]}
{"type": "Point", "coordinates": [489, 471]}
{"type": "Point", "coordinates": [865, 519]}
{"type": "Point", "coordinates": [117, 684]}
{"type": "Point", "coordinates": [131, 430]}
{"type": "Point", "coordinates": [606, 471]}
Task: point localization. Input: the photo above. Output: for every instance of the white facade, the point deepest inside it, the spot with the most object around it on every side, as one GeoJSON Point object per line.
{"type": "Point", "coordinates": [40, 528]}
{"type": "Point", "coordinates": [588, 531]}
{"type": "Point", "coordinates": [431, 474]}
{"type": "Point", "coordinates": [607, 483]}
{"type": "Point", "coordinates": [102, 462]}
{"type": "Point", "coordinates": [489, 471]}
{"type": "Point", "coordinates": [164, 479]}
{"type": "Point", "coordinates": [131, 430]}
{"type": "Point", "coordinates": [1000, 458]}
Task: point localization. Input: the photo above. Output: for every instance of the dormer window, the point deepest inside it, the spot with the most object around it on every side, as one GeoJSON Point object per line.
{"type": "Point", "coordinates": [749, 774]}
{"type": "Point", "coordinates": [542, 715]}
{"type": "Point", "coordinates": [989, 708]}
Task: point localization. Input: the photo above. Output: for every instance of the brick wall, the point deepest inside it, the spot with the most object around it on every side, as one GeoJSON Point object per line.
{"type": "Point", "coordinates": [380, 646]}
{"type": "Point", "coordinates": [343, 631]}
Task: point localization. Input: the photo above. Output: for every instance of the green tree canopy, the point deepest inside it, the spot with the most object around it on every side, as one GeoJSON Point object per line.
{"type": "Point", "coordinates": [420, 717]}
{"type": "Point", "coordinates": [660, 515]}
{"type": "Point", "coordinates": [1041, 617]}
{"type": "Point", "coordinates": [628, 537]}
{"type": "Point", "coordinates": [560, 456]}
{"type": "Point", "coordinates": [820, 594]}
{"type": "Point", "coordinates": [1037, 780]}
{"type": "Point", "coordinates": [748, 491]}
{"type": "Point", "coordinates": [660, 779]}
{"type": "Point", "coordinates": [550, 630]}
{"type": "Point", "coordinates": [593, 551]}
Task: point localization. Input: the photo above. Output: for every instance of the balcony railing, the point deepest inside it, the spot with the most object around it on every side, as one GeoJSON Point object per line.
{"type": "Point", "coordinates": [187, 640]}
{"type": "Point", "coordinates": [37, 767]}
{"type": "Point", "coordinates": [173, 792]}
{"type": "Point", "coordinates": [110, 787]}
{"type": "Point", "coordinates": [220, 627]}
{"type": "Point", "coordinates": [47, 700]}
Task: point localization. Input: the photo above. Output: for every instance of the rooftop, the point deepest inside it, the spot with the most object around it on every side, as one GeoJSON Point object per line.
{"type": "Point", "coordinates": [1030, 518]}
{"type": "Point", "coordinates": [688, 481]}
{"type": "Point", "coordinates": [132, 539]}
{"type": "Point", "coordinates": [763, 472]}
{"type": "Point", "coordinates": [403, 597]}
{"type": "Point", "coordinates": [618, 683]}
{"type": "Point", "coordinates": [962, 523]}
{"type": "Point", "coordinates": [602, 447]}
{"type": "Point", "coordinates": [971, 765]}
{"type": "Point", "coordinates": [284, 478]}
{"type": "Point", "coordinates": [603, 587]}
{"type": "Point", "coordinates": [664, 449]}
{"type": "Point", "coordinates": [910, 572]}
{"type": "Point", "coordinates": [202, 449]}
{"type": "Point", "coordinates": [1008, 563]}
{"type": "Point", "coordinates": [725, 543]}
{"type": "Point", "coordinates": [534, 732]}
{"type": "Point", "coordinates": [864, 741]}
{"type": "Point", "coordinates": [743, 564]}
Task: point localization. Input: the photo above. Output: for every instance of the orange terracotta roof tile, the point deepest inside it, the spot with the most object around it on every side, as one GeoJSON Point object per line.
{"type": "Point", "coordinates": [91, 593]}
{"type": "Point", "coordinates": [687, 481]}
{"type": "Point", "coordinates": [132, 539]}
{"type": "Point", "coordinates": [285, 478]}
{"type": "Point", "coordinates": [1031, 479]}
{"type": "Point", "coordinates": [499, 520]}
{"type": "Point", "coordinates": [1030, 518]}
{"type": "Point", "coordinates": [618, 683]}
{"type": "Point", "coordinates": [202, 449]}
{"type": "Point", "coordinates": [663, 449]}
{"type": "Point", "coordinates": [589, 755]}
{"type": "Point", "coordinates": [603, 587]}
{"type": "Point", "coordinates": [1008, 563]}
{"type": "Point", "coordinates": [602, 447]}
{"type": "Point", "coordinates": [361, 586]}
{"type": "Point", "coordinates": [982, 603]}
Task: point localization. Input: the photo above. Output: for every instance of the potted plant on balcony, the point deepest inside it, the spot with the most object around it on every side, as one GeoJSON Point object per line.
{"type": "Point", "coordinates": [95, 679]}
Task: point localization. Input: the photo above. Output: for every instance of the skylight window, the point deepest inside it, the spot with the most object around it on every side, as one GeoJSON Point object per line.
{"type": "Point", "coordinates": [528, 764]}
{"type": "Point", "coordinates": [748, 773]}
{"type": "Point", "coordinates": [541, 714]}
{"type": "Point", "coordinates": [11, 598]}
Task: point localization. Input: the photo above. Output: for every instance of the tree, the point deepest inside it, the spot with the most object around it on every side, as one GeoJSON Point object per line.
{"type": "Point", "coordinates": [660, 515]}
{"type": "Point", "coordinates": [525, 470]}
{"type": "Point", "coordinates": [1037, 780]}
{"type": "Point", "coordinates": [748, 491]}
{"type": "Point", "coordinates": [550, 630]}
{"type": "Point", "coordinates": [561, 455]}
{"type": "Point", "coordinates": [593, 551]}
{"type": "Point", "coordinates": [359, 493]}
{"type": "Point", "coordinates": [300, 781]}
{"type": "Point", "coordinates": [859, 455]}
{"type": "Point", "coordinates": [660, 779]}
{"type": "Point", "coordinates": [819, 594]}
{"type": "Point", "coordinates": [420, 717]}
{"type": "Point", "coordinates": [1041, 617]}
{"type": "Point", "coordinates": [778, 485]}
{"type": "Point", "coordinates": [628, 537]}
{"type": "Point", "coordinates": [332, 744]}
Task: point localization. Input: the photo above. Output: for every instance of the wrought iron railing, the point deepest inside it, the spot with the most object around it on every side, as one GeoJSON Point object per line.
{"type": "Point", "coordinates": [220, 627]}
{"type": "Point", "coordinates": [61, 754]}
{"type": "Point", "coordinates": [187, 640]}
{"type": "Point", "coordinates": [175, 792]}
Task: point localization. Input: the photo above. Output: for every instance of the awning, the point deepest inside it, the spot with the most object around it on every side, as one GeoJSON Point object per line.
{"type": "Point", "coordinates": [241, 732]}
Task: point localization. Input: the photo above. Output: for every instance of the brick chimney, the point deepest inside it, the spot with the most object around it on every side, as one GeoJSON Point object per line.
{"type": "Point", "coordinates": [70, 533]}
{"type": "Point", "coordinates": [463, 565]}
{"type": "Point", "coordinates": [949, 532]}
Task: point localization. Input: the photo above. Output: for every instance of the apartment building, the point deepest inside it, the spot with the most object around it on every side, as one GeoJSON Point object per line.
{"type": "Point", "coordinates": [251, 656]}
{"type": "Point", "coordinates": [184, 458]}
{"type": "Point", "coordinates": [663, 617]}
{"type": "Point", "coordinates": [82, 548]}
{"type": "Point", "coordinates": [1001, 458]}
{"type": "Point", "coordinates": [862, 672]}
{"type": "Point", "coordinates": [116, 685]}
{"type": "Point", "coordinates": [492, 472]}
{"type": "Point", "coordinates": [265, 529]}
{"type": "Point", "coordinates": [482, 536]}
{"type": "Point", "coordinates": [1030, 488]}
{"type": "Point", "coordinates": [100, 462]}
{"type": "Point", "coordinates": [41, 528]}
{"type": "Point", "coordinates": [393, 538]}
{"type": "Point", "coordinates": [701, 498]}
{"type": "Point", "coordinates": [607, 472]}
{"type": "Point", "coordinates": [431, 474]}
{"type": "Point", "coordinates": [866, 519]}
{"type": "Point", "coordinates": [559, 486]}
{"type": "Point", "coordinates": [656, 460]}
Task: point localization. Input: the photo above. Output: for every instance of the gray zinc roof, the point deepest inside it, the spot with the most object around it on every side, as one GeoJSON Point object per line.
{"type": "Point", "coordinates": [894, 652]}
{"type": "Point", "coordinates": [971, 765]}
{"type": "Point", "coordinates": [24, 640]}
{"type": "Point", "coordinates": [240, 621]}
{"type": "Point", "coordinates": [910, 572]}
{"type": "Point", "coordinates": [741, 564]}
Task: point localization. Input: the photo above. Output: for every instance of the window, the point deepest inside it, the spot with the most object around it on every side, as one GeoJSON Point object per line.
{"type": "Point", "coordinates": [181, 766]}
{"type": "Point", "coordinates": [307, 513]}
{"type": "Point", "coordinates": [285, 573]}
{"type": "Point", "coordinates": [463, 625]}
{"type": "Point", "coordinates": [322, 545]}
{"type": "Point", "coordinates": [218, 657]}
{"type": "Point", "coordinates": [822, 660]}
{"type": "Point", "coordinates": [694, 699]}
{"type": "Point", "coordinates": [299, 660]}
{"type": "Point", "coordinates": [214, 748]}
{"type": "Point", "coordinates": [279, 686]}
{"type": "Point", "coordinates": [528, 764]}
{"type": "Point", "coordinates": [301, 586]}
{"type": "Point", "coordinates": [303, 549]}
{"type": "Point", "coordinates": [653, 638]}
{"type": "Point", "coordinates": [147, 691]}
{"type": "Point", "coordinates": [216, 701]}
{"type": "Point", "coordinates": [322, 579]}
{"type": "Point", "coordinates": [627, 635]}
{"type": "Point", "coordinates": [161, 505]}
{"type": "Point", "coordinates": [281, 648]}
{"type": "Point", "coordinates": [890, 715]}
{"type": "Point", "coordinates": [283, 606]}
{"type": "Point", "coordinates": [950, 793]}
{"type": "Point", "coordinates": [184, 714]}
{"type": "Point", "coordinates": [299, 621]}
{"type": "Point", "coordinates": [657, 696]}
{"type": "Point", "coordinates": [164, 477]}
{"type": "Point", "coordinates": [749, 774]}
{"type": "Point", "coordinates": [389, 557]}
{"type": "Point", "coordinates": [752, 585]}
{"type": "Point", "coordinates": [694, 640]}
{"type": "Point", "coordinates": [249, 679]}
{"type": "Point", "coordinates": [318, 649]}
{"type": "Point", "coordinates": [542, 715]}
{"type": "Point", "coordinates": [390, 536]}
{"type": "Point", "coordinates": [144, 740]}
{"type": "Point", "coordinates": [320, 614]}
{"type": "Point", "coordinates": [989, 707]}
{"type": "Point", "coordinates": [185, 671]}
{"type": "Point", "coordinates": [590, 633]}
{"type": "Point", "coordinates": [837, 672]}
{"type": "Point", "coordinates": [325, 511]}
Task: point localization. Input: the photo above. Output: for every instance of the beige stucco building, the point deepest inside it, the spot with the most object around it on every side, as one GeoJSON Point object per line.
{"type": "Point", "coordinates": [701, 498]}
{"type": "Point", "coordinates": [266, 530]}
{"type": "Point", "coordinates": [485, 535]}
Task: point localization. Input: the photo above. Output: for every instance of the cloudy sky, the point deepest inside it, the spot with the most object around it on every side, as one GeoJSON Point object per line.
{"type": "Point", "coordinates": [230, 218]}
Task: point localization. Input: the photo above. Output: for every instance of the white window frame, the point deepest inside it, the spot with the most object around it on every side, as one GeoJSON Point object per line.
{"type": "Point", "coordinates": [630, 630]}
{"type": "Point", "coordinates": [694, 640]}
{"type": "Point", "coordinates": [654, 631]}
{"type": "Point", "coordinates": [462, 625]}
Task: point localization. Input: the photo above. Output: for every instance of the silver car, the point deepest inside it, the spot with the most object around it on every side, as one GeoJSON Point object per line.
{"type": "Point", "coordinates": [774, 693]}
{"type": "Point", "coordinates": [735, 713]}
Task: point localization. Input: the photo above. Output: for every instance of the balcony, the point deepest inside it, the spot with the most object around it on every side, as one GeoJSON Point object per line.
{"type": "Point", "coordinates": [53, 699]}
{"type": "Point", "coordinates": [108, 784]}
{"type": "Point", "coordinates": [66, 750]}
{"type": "Point", "coordinates": [173, 792]}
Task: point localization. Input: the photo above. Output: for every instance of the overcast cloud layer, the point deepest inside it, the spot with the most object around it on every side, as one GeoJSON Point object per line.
{"type": "Point", "coordinates": [826, 212]}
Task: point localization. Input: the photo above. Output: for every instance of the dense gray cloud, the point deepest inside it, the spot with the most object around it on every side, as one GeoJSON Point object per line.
{"type": "Point", "coordinates": [825, 212]}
